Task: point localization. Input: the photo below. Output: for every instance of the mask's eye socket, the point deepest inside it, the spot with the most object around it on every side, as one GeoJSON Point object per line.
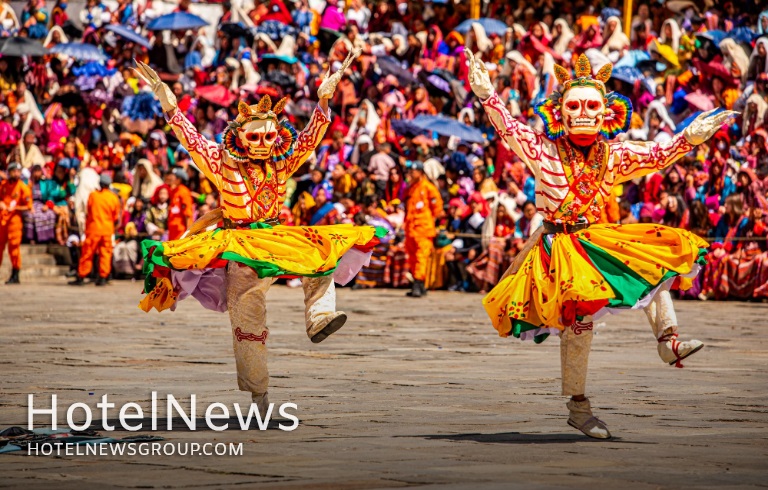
{"type": "Point", "coordinates": [572, 105]}
{"type": "Point", "coordinates": [252, 137]}
{"type": "Point", "coordinates": [270, 136]}
{"type": "Point", "coordinates": [593, 105]}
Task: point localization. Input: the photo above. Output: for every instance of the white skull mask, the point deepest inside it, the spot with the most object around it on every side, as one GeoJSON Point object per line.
{"type": "Point", "coordinates": [258, 137]}
{"type": "Point", "coordinates": [583, 110]}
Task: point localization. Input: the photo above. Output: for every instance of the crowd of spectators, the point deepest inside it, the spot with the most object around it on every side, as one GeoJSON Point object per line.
{"type": "Point", "coordinates": [68, 115]}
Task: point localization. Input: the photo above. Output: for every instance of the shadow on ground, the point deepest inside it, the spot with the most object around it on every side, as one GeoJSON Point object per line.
{"type": "Point", "coordinates": [519, 438]}
{"type": "Point", "coordinates": [180, 425]}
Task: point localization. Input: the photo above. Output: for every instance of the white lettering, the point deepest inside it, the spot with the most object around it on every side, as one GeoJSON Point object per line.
{"type": "Point", "coordinates": [31, 412]}
{"type": "Point", "coordinates": [289, 416]}
{"type": "Point", "coordinates": [245, 424]}
{"type": "Point", "coordinates": [88, 416]}
{"type": "Point", "coordinates": [104, 405]}
{"type": "Point", "coordinates": [209, 416]}
{"type": "Point", "coordinates": [126, 416]}
{"type": "Point", "coordinates": [188, 419]}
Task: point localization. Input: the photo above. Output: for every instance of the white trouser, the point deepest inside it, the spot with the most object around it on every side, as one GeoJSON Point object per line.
{"type": "Point", "coordinates": [576, 341]}
{"type": "Point", "coordinates": [247, 305]}
{"type": "Point", "coordinates": [661, 314]}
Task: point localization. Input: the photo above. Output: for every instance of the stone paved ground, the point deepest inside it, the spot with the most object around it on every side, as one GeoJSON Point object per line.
{"type": "Point", "coordinates": [410, 393]}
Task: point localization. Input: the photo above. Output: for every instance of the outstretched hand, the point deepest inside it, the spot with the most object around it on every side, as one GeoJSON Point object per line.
{"type": "Point", "coordinates": [706, 125]}
{"type": "Point", "coordinates": [479, 79]}
{"type": "Point", "coordinates": [162, 90]}
{"type": "Point", "coordinates": [328, 87]}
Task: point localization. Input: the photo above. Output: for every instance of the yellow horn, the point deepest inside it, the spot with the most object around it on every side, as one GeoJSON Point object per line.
{"type": "Point", "coordinates": [264, 105]}
{"type": "Point", "coordinates": [605, 73]}
{"type": "Point", "coordinates": [562, 74]}
{"type": "Point", "coordinates": [583, 68]}
{"type": "Point", "coordinates": [243, 109]}
{"type": "Point", "coordinates": [280, 105]}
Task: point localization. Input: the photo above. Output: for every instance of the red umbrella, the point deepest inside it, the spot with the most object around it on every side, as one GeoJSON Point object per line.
{"type": "Point", "coordinates": [216, 94]}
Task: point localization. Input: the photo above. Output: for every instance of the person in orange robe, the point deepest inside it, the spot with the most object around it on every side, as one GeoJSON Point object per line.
{"type": "Point", "coordinates": [102, 215]}
{"type": "Point", "coordinates": [15, 199]}
{"type": "Point", "coordinates": [424, 206]}
{"type": "Point", "coordinates": [181, 208]}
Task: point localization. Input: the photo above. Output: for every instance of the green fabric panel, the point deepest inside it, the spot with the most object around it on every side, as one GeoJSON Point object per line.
{"type": "Point", "coordinates": [268, 269]}
{"type": "Point", "coordinates": [152, 260]}
{"type": "Point", "coordinates": [520, 326]}
{"type": "Point", "coordinates": [627, 285]}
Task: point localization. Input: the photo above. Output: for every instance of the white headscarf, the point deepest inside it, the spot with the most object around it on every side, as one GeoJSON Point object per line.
{"type": "Point", "coordinates": [617, 40]}
{"type": "Point", "coordinates": [467, 111]}
{"type": "Point", "coordinates": [64, 38]}
{"type": "Point", "coordinates": [354, 157]}
{"type": "Point", "coordinates": [518, 58]}
{"type": "Point", "coordinates": [146, 188]}
{"type": "Point", "coordinates": [372, 120]}
{"type": "Point", "coordinates": [403, 48]}
{"type": "Point", "coordinates": [764, 42]}
{"type": "Point", "coordinates": [675, 41]}
{"type": "Point", "coordinates": [561, 45]}
{"type": "Point", "coordinates": [733, 53]}
{"type": "Point", "coordinates": [762, 106]}
{"type": "Point", "coordinates": [482, 43]}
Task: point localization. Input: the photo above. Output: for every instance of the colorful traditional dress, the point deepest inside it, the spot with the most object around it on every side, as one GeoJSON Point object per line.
{"type": "Point", "coordinates": [560, 277]}
{"type": "Point", "coordinates": [252, 194]}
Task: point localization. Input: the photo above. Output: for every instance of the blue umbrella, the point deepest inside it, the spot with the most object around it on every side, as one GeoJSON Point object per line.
{"type": "Point", "coordinates": [176, 21]}
{"type": "Point", "coordinates": [491, 26]}
{"type": "Point", "coordinates": [628, 74]}
{"type": "Point", "coordinates": [715, 36]}
{"type": "Point", "coordinates": [80, 51]}
{"type": "Point", "coordinates": [130, 35]}
{"type": "Point", "coordinates": [632, 58]}
{"type": "Point", "coordinates": [280, 57]}
{"type": "Point", "coordinates": [446, 126]}
{"type": "Point", "coordinates": [742, 35]}
{"type": "Point", "coordinates": [406, 127]}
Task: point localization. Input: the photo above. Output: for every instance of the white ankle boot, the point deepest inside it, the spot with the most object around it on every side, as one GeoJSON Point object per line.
{"type": "Point", "coordinates": [325, 326]}
{"type": "Point", "coordinates": [581, 418]}
{"type": "Point", "coordinates": [673, 351]}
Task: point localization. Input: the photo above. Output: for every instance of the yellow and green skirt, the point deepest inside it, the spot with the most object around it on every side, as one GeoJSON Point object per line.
{"type": "Point", "coordinates": [598, 270]}
{"type": "Point", "coordinates": [280, 251]}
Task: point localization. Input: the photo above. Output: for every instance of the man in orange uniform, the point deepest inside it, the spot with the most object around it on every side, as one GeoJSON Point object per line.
{"type": "Point", "coordinates": [424, 206]}
{"type": "Point", "coordinates": [15, 198]}
{"type": "Point", "coordinates": [181, 208]}
{"type": "Point", "coordinates": [101, 217]}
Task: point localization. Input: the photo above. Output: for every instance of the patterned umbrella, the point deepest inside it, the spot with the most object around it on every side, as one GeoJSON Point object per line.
{"type": "Point", "coordinates": [628, 74]}
{"type": "Point", "coordinates": [80, 51]}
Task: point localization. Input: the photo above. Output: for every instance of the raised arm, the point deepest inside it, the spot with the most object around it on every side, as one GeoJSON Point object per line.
{"type": "Point", "coordinates": [524, 141]}
{"type": "Point", "coordinates": [313, 134]}
{"type": "Point", "coordinates": [634, 159]}
{"type": "Point", "coordinates": [206, 154]}
{"type": "Point", "coordinates": [308, 139]}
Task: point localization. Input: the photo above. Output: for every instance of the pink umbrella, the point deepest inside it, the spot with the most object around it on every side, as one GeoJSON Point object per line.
{"type": "Point", "coordinates": [700, 101]}
{"type": "Point", "coordinates": [216, 94]}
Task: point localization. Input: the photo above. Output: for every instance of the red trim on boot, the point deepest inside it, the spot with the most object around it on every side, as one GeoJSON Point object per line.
{"type": "Point", "coordinates": [672, 337]}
